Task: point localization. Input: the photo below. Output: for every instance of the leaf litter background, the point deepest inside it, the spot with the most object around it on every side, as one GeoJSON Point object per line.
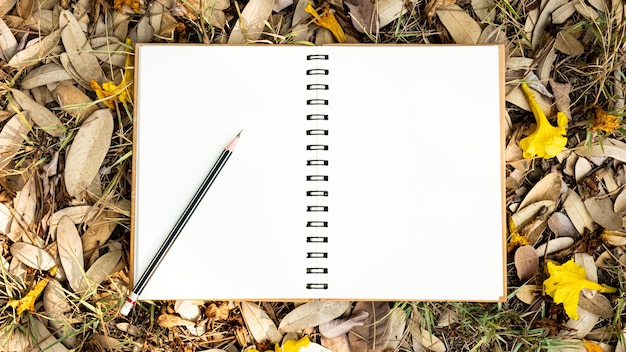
{"type": "Point", "coordinates": [65, 161]}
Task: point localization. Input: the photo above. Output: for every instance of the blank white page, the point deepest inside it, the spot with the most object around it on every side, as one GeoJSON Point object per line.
{"type": "Point", "coordinates": [413, 196]}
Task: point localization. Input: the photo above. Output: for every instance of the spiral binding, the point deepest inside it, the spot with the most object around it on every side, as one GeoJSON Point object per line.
{"type": "Point", "coordinates": [317, 146]}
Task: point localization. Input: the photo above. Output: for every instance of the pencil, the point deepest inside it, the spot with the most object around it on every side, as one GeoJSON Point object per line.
{"type": "Point", "coordinates": [178, 227]}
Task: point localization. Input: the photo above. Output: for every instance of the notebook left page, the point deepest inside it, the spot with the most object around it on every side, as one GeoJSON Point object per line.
{"type": "Point", "coordinates": [189, 108]}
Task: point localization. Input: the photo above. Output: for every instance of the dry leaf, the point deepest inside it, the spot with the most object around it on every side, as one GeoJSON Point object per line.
{"type": "Point", "coordinates": [599, 305]}
{"type": "Point", "coordinates": [561, 225]}
{"type": "Point", "coordinates": [45, 340]}
{"type": "Point", "coordinates": [554, 245]}
{"type": "Point", "coordinates": [70, 252]}
{"type": "Point", "coordinates": [422, 338]}
{"type": "Point", "coordinates": [170, 321]}
{"type": "Point", "coordinates": [25, 205]}
{"type": "Point", "coordinates": [98, 232]}
{"type": "Point", "coordinates": [11, 139]}
{"type": "Point", "coordinates": [433, 5]}
{"type": "Point", "coordinates": [543, 21]}
{"type": "Point", "coordinates": [576, 211]}
{"type": "Point", "coordinates": [484, 9]}
{"type": "Point", "coordinates": [100, 270]}
{"type": "Point", "coordinates": [529, 293]}
{"type": "Point", "coordinates": [388, 11]}
{"type": "Point", "coordinates": [312, 314]}
{"type": "Point", "coordinates": [6, 6]}
{"type": "Point", "coordinates": [36, 52]}
{"type": "Point", "coordinates": [336, 344]}
{"type": "Point", "coordinates": [526, 262]}
{"type": "Point", "coordinates": [561, 96]}
{"type": "Point", "coordinates": [338, 327]}
{"type": "Point", "coordinates": [373, 336]}
{"type": "Point", "coordinates": [259, 323]}
{"type": "Point", "coordinates": [564, 12]}
{"type": "Point", "coordinates": [582, 169]}
{"type": "Point", "coordinates": [42, 117]}
{"type": "Point", "coordinates": [55, 302]}
{"type": "Point", "coordinates": [396, 323]}
{"type": "Point", "coordinates": [250, 24]}
{"type": "Point", "coordinates": [447, 318]}
{"type": "Point", "coordinates": [8, 44]}
{"type": "Point", "coordinates": [32, 256]}
{"type": "Point", "coordinates": [601, 211]}
{"type": "Point", "coordinates": [614, 238]}
{"type": "Point", "coordinates": [43, 75]}
{"type": "Point", "coordinates": [523, 216]}
{"type": "Point", "coordinates": [581, 327]}
{"type": "Point", "coordinates": [460, 25]}
{"type": "Point", "coordinates": [78, 214]}
{"type": "Point", "coordinates": [78, 49]}
{"type": "Point", "coordinates": [74, 101]}
{"type": "Point", "coordinates": [568, 44]}
{"type": "Point", "coordinates": [187, 309]}
{"type": "Point", "coordinates": [364, 15]}
{"type": "Point", "coordinates": [88, 150]}
{"type": "Point", "coordinates": [548, 188]}
{"type": "Point", "coordinates": [13, 340]}
{"type": "Point", "coordinates": [612, 148]}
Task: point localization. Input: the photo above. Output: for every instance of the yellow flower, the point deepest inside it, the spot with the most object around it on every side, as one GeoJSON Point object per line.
{"type": "Point", "coordinates": [122, 92]}
{"type": "Point", "coordinates": [604, 122]}
{"type": "Point", "coordinates": [290, 345]}
{"type": "Point", "coordinates": [327, 20]}
{"type": "Point", "coordinates": [592, 346]}
{"type": "Point", "coordinates": [565, 283]}
{"type": "Point", "coordinates": [546, 141]}
{"type": "Point", "coordinates": [516, 239]}
{"type": "Point", "coordinates": [28, 301]}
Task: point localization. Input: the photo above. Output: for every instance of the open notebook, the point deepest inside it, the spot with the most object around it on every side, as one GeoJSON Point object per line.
{"type": "Point", "coordinates": [362, 172]}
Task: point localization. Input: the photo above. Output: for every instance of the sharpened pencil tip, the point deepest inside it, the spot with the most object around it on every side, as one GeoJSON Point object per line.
{"type": "Point", "coordinates": [233, 143]}
{"type": "Point", "coordinates": [239, 134]}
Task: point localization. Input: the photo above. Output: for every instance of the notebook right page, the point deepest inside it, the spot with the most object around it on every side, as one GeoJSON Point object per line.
{"type": "Point", "coordinates": [415, 173]}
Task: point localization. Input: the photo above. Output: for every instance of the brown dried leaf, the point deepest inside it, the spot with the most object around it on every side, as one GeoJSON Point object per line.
{"type": "Point", "coordinates": [576, 211]}
{"type": "Point", "coordinates": [78, 214]}
{"type": "Point", "coordinates": [561, 225]}
{"type": "Point", "coordinates": [543, 21]}
{"type": "Point", "coordinates": [55, 300]}
{"type": "Point", "coordinates": [564, 12]}
{"type": "Point", "coordinates": [98, 233]}
{"type": "Point", "coordinates": [336, 344]}
{"type": "Point", "coordinates": [484, 9]}
{"type": "Point", "coordinates": [36, 52]}
{"type": "Point", "coordinates": [422, 338]}
{"type": "Point", "coordinates": [170, 321]}
{"type": "Point", "coordinates": [100, 270]}
{"type": "Point", "coordinates": [599, 305]}
{"type": "Point", "coordinates": [548, 188]}
{"type": "Point", "coordinates": [568, 44]}
{"type": "Point", "coordinates": [554, 245]}
{"type": "Point", "coordinates": [561, 96]}
{"type": "Point", "coordinates": [601, 211]}
{"type": "Point", "coordinates": [526, 262]}
{"type": "Point", "coordinates": [6, 6]}
{"type": "Point", "coordinates": [611, 147]}
{"type": "Point", "coordinates": [250, 24]}
{"type": "Point", "coordinates": [74, 101]}
{"type": "Point", "coordinates": [529, 293]}
{"type": "Point", "coordinates": [32, 256]}
{"type": "Point", "coordinates": [338, 327]}
{"type": "Point", "coordinates": [389, 11]}
{"type": "Point", "coordinates": [70, 252]}
{"type": "Point", "coordinates": [44, 339]}
{"type": "Point", "coordinates": [371, 337]}
{"type": "Point", "coordinates": [433, 5]}
{"type": "Point", "coordinates": [460, 25]}
{"type": "Point", "coordinates": [364, 15]}
{"type": "Point", "coordinates": [581, 327]}
{"type": "Point", "coordinates": [25, 204]}
{"type": "Point", "coordinates": [42, 117]}
{"type": "Point", "coordinates": [259, 323]}
{"type": "Point", "coordinates": [88, 150]}
{"type": "Point", "coordinates": [312, 314]}
{"type": "Point", "coordinates": [78, 50]}
{"type": "Point", "coordinates": [614, 238]}
{"type": "Point", "coordinates": [11, 139]}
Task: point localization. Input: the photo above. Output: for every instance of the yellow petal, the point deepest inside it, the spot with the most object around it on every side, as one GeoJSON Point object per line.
{"type": "Point", "coordinates": [28, 301]}
{"type": "Point", "coordinates": [327, 20]}
{"type": "Point", "coordinates": [565, 283]}
{"type": "Point", "coordinates": [546, 141]}
{"type": "Point", "coordinates": [592, 347]}
{"type": "Point", "coordinates": [603, 121]}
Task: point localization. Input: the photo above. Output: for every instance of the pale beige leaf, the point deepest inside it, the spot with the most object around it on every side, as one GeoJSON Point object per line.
{"type": "Point", "coordinates": [170, 321]}
{"type": "Point", "coordinates": [74, 101]}
{"type": "Point", "coordinates": [100, 270]}
{"type": "Point", "coordinates": [336, 344]}
{"type": "Point", "coordinates": [544, 20]}
{"type": "Point", "coordinates": [599, 305]}
{"type": "Point", "coordinates": [25, 204]}
{"type": "Point", "coordinates": [612, 148]}
{"type": "Point", "coordinates": [517, 97]}
{"type": "Point", "coordinates": [614, 238]}
{"type": "Point", "coordinates": [529, 293]}
{"type": "Point", "coordinates": [601, 211]}
{"type": "Point", "coordinates": [312, 314]}
{"type": "Point", "coordinates": [98, 232]}
{"type": "Point", "coordinates": [187, 309]}
{"type": "Point", "coordinates": [78, 214]}
{"type": "Point", "coordinates": [548, 188]}
{"type": "Point", "coordinates": [600, 5]}
{"type": "Point", "coordinates": [388, 11]}
{"type": "Point", "coordinates": [13, 340]}
{"type": "Point", "coordinates": [492, 35]}
{"type": "Point", "coordinates": [337, 327]}
{"type": "Point", "coordinates": [586, 10]}
{"type": "Point", "coordinates": [5, 218]}
{"type": "Point", "coordinates": [45, 340]}
{"type": "Point", "coordinates": [42, 117]}
{"type": "Point", "coordinates": [8, 43]}
{"type": "Point", "coordinates": [78, 49]}
{"type": "Point", "coordinates": [36, 52]}
{"type": "Point", "coordinates": [576, 211]}
{"type": "Point", "coordinates": [44, 75]}
{"type": "Point", "coordinates": [372, 336]}
{"type": "Point", "coordinates": [544, 71]}
{"type": "Point", "coordinates": [485, 9]}
{"type": "Point", "coordinates": [564, 12]}
{"type": "Point", "coordinates": [396, 323]}
{"type": "Point", "coordinates": [526, 262]}
{"type": "Point", "coordinates": [619, 206]}
{"type": "Point", "coordinates": [562, 100]}
{"type": "Point", "coordinates": [259, 323]}
{"type": "Point", "coordinates": [581, 327]}
{"type": "Point", "coordinates": [568, 44]}
{"type": "Point", "coordinates": [447, 318]}
{"type": "Point", "coordinates": [554, 245]}
{"type": "Point", "coordinates": [582, 169]}
{"type": "Point", "coordinates": [252, 21]}
{"type": "Point", "coordinates": [11, 138]}
{"type": "Point", "coordinates": [422, 338]}
{"type": "Point", "coordinates": [44, 21]}
{"type": "Point", "coordinates": [529, 212]}
{"type": "Point", "coordinates": [586, 261]}
{"type": "Point", "coordinates": [55, 300]}
{"type": "Point", "coordinates": [460, 25]}
{"type": "Point", "coordinates": [6, 6]}
{"type": "Point", "coordinates": [88, 150]}
{"type": "Point", "coordinates": [70, 252]}
{"type": "Point", "coordinates": [32, 256]}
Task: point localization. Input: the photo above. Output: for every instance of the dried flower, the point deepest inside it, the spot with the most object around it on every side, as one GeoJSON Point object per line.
{"type": "Point", "coordinates": [546, 141]}
{"type": "Point", "coordinates": [565, 283]}
{"type": "Point", "coordinates": [28, 301]}
{"type": "Point", "coordinates": [603, 121]}
{"type": "Point", "coordinates": [327, 20]}
{"type": "Point", "coordinates": [592, 346]}
{"type": "Point", "coordinates": [122, 92]}
{"type": "Point", "coordinates": [516, 239]}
